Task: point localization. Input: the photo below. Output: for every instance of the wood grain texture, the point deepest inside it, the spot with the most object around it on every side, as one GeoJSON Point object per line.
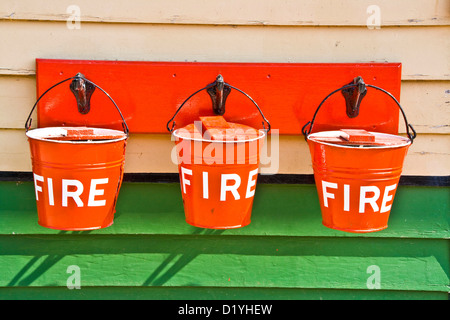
{"type": "Point", "coordinates": [428, 156]}
{"type": "Point", "coordinates": [137, 42]}
{"type": "Point", "coordinates": [253, 12]}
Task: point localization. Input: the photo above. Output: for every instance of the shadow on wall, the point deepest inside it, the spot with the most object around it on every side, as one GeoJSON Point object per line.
{"type": "Point", "coordinates": [158, 277]}
{"type": "Point", "coordinates": [38, 271]}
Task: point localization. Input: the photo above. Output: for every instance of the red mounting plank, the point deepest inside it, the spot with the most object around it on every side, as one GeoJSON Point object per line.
{"type": "Point", "coordinates": [149, 93]}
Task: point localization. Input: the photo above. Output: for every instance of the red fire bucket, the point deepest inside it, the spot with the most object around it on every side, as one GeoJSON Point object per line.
{"type": "Point", "coordinates": [218, 165]}
{"type": "Point", "coordinates": [77, 173]}
{"type": "Point", "coordinates": [357, 173]}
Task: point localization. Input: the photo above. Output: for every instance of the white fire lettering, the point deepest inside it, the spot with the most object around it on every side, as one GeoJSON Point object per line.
{"type": "Point", "coordinates": [368, 195]}
{"type": "Point", "coordinates": [224, 187]}
{"type": "Point", "coordinates": [71, 189]}
{"type": "Point", "coordinates": [229, 183]}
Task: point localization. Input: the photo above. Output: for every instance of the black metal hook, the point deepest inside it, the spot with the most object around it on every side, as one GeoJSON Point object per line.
{"type": "Point", "coordinates": [78, 78]}
{"type": "Point", "coordinates": [82, 91]}
{"type": "Point", "coordinates": [410, 131]}
{"type": "Point", "coordinates": [354, 95]}
{"type": "Point", "coordinates": [219, 91]}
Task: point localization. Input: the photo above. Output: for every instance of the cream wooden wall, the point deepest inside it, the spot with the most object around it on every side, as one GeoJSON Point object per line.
{"type": "Point", "coordinates": [413, 32]}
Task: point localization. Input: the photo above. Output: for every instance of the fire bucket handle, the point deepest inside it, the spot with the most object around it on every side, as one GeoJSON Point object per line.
{"type": "Point", "coordinates": [170, 129]}
{"type": "Point", "coordinates": [79, 76]}
{"type": "Point", "coordinates": [411, 135]}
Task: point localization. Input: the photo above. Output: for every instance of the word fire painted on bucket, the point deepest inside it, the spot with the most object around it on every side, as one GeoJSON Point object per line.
{"type": "Point", "coordinates": [77, 170]}
{"type": "Point", "coordinates": [71, 188]}
{"type": "Point", "coordinates": [218, 164]}
{"type": "Point", "coordinates": [225, 187]}
{"type": "Point", "coordinates": [368, 195]}
{"type": "Point", "coordinates": [356, 171]}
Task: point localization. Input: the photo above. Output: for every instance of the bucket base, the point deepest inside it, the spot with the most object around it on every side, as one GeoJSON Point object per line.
{"type": "Point", "coordinates": [75, 229]}
{"type": "Point", "coordinates": [217, 227]}
{"type": "Point", "coordinates": [353, 230]}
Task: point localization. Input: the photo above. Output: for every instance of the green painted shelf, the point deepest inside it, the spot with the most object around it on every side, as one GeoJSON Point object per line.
{"type": "Point", "coordinates": [151, 252]}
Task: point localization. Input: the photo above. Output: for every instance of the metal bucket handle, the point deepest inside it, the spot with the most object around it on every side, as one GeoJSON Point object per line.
{"type": "Point", "coordinates": [170, 129]}
{"type": "Point", "coordinates": [411, 135]}
{"type": "Point", "coordinates": [78, 76]}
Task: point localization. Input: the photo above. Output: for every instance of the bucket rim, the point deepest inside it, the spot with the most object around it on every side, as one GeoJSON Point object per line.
{"type": "Point", "coordinates": [261, 132]}
{"type": "Point", "coordinates": [407, 141]}
{"type": "Point", "coordinates": [42, 134]}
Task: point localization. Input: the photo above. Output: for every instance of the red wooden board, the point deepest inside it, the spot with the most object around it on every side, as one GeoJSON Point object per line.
{"type": "Point", "coordinates": [149, 93]}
